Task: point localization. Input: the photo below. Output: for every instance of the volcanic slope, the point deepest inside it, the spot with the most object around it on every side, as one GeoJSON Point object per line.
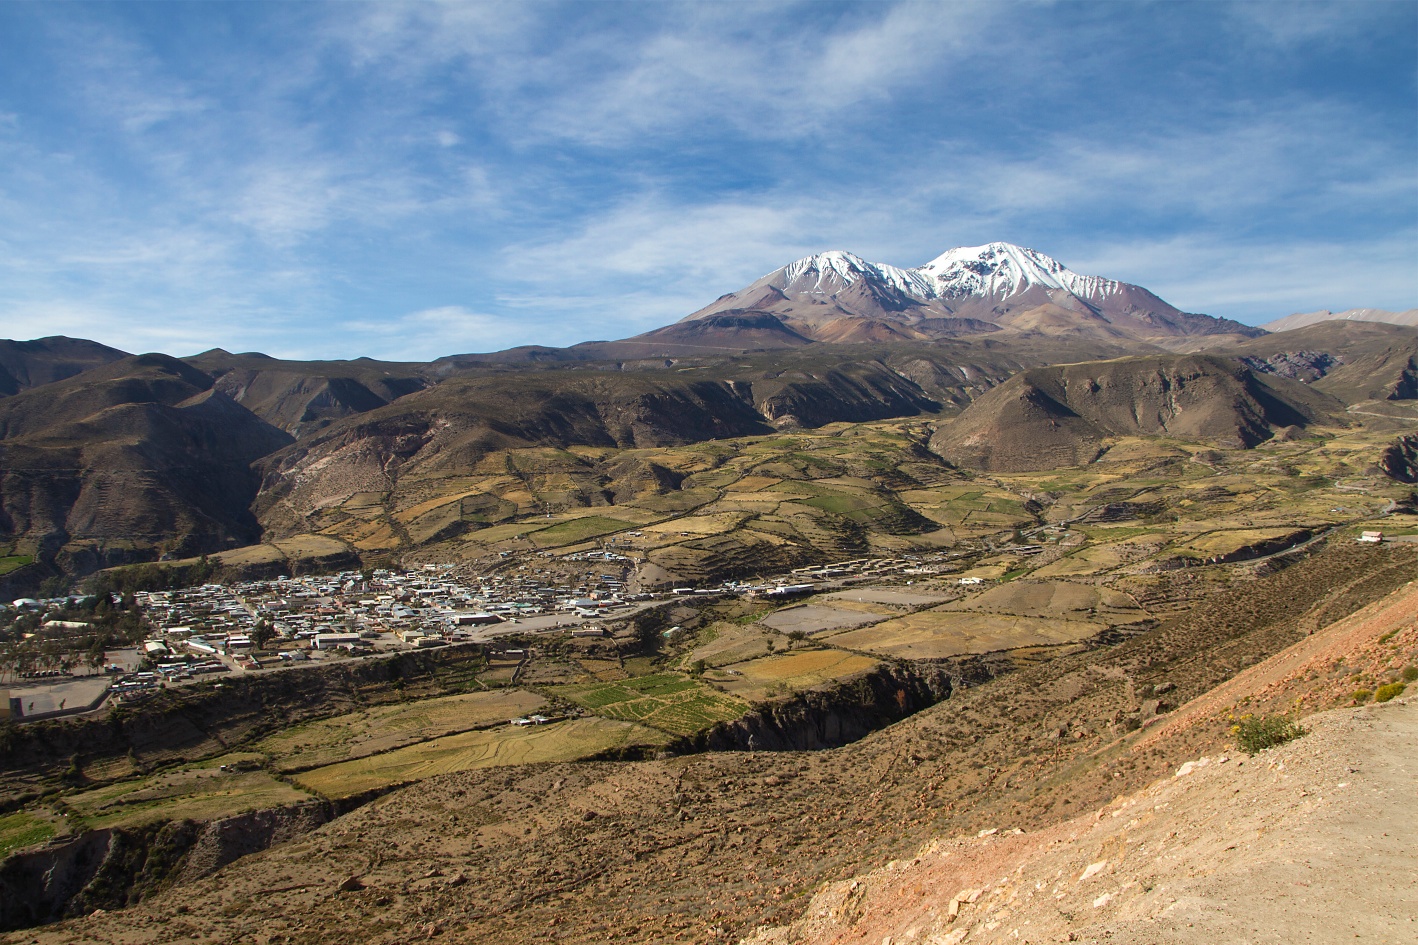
{"type": "Point", "coordinates": [126, 461]}
{"type": "Point", "coordinates": [1053, 417]}
{"type": "Point", "coordinates": [708, 847]}
{"type": "Point", "coordinates": [1407, 318]}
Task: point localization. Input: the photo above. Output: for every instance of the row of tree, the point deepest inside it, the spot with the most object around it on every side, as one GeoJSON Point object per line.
{"type": "Point", "coordinates": [28, 645]}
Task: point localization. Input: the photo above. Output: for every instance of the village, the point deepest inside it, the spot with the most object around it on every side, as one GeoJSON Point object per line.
{"type": "Point", "coordinates": [291, 623]}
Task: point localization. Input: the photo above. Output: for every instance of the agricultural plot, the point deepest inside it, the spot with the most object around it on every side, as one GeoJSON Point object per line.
{"type": "Point", "coordinates": [22, 829]}
{"type": "Point", "coordinates": [492, 748]}
{"type": "Point", "coordinates": [296, 548]}
{"type": "Point", "coordinates": [814, 618]}
{"type": "Point", "coordinates": [603, 670]}
{"type": "Point", "coordinates": [1096, 559]}
{"type": "Point", "coordinates": [732, 643]}
{"type": "Point", "coordinates": [195, 792]}
{"type": "Point", "coordinates": [1051, 599]}
{"type": "Point", "coordinates": [935, 634]}
{"type": "Point", "coordinates": [667, 701]}
{"type": "Point", "coordinates": [764, 678]}
{"type": "Point", "coordinates": [578, 529]}
{"type": "Point", "coordinates": [384, 728]}
{"type": "Point", "coordinates": [1233, 540]}
{"type": "Point", "coordinates": [891, 596]}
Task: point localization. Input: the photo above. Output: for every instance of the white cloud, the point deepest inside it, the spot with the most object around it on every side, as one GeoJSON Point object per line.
{"type": "Point", "coordinates": [432, 333]}
{"type": "Point", "coordinates": [1260, 281]}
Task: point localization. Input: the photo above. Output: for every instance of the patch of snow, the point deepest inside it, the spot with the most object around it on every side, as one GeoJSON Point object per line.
{"type": "Point", "coordinates": [1003, 270]}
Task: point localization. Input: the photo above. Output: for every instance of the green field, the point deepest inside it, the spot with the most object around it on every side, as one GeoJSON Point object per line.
{"type": "Point", "coordinates": [667, 701]}
{"type": "Point", "coordinates": [14, 563]}
{"type": "Point", "coordinates": [21, 829]}
{"type": "Point", "coordinates": [196, 792]}
{"type": "Point", "coordinates": [384, 728]}
{"type": "Point", "coordinates": [578, 529]}
{"type": "Point", "coordinates": [499, 747]}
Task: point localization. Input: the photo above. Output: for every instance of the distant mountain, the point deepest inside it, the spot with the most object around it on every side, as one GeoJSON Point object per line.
{"type": "Point", "coordinates": [1053, 417]}
{"type": "Point", "coordinates": [1302, 319]}
{"type": "Point", "coordinates": [839, 297]}
{"type": "Point", "coordinates": [1354, 360]}
{"type": "Point", "coordinates": [27, 364]}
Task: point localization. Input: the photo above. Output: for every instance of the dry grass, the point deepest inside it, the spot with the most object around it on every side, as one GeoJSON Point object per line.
{"type": "Point", "coordinates": [195, 792]}
{"type": "Point", "coordinates": [559, 741]}
{"type": "Point", "coordinates": [805, 669]}
{"type": "Point", "coordinates": [934, 634]}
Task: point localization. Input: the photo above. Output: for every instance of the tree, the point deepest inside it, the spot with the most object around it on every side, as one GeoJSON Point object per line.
{"type": "Point", "coordinates": [94, 655]}
{"type": "Point", "coordinates": [261, 634]}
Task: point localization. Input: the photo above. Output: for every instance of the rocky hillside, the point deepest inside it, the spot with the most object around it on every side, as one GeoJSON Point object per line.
{"type": "Point", "coordinates": [1354, 361]}
{"type": "Point", "coordinates": [1312, 837]}
{"type": "Point", "coordinates": [304, 396]}
{"type": "Point", "coordinates": [26, 364]}
{"type": "Point", "coordinates": [1053, 417]}
{"type": "Point", "coordinates": [128, 461]}
{"type": "Point", "coordinates": [450, 429]}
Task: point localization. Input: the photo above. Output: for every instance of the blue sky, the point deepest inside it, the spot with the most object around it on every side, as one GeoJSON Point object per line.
{"type": "Point", "coordinates": [407, 181]}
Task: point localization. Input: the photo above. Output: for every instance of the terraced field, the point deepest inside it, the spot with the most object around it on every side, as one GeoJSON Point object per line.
{"type": "Point", "coordinates": [666, 701]}
{"type": "Point", "coordinates": [201, 791]}
{"type": "Point", "coordinates": [936, 634]}
{"type": "Point", "coordinates": [493, 748]}
{"type": "Point", "coordinates": [387, 727]}
{"type": "Point", "coordinates": [22, 828]}
{"type": "Point", "coordinates": [764, 678]}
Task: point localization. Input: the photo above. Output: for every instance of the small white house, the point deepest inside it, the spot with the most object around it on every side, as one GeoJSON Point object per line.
{"type": "Point", "coordinates": [1373, 537]}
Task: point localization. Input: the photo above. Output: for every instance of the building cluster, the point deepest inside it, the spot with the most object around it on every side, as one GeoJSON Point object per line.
{"type": "Point", "coordinates": [218, 627]}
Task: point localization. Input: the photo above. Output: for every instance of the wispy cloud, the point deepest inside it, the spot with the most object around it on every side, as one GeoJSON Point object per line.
{"type": "Point", "coordinates": [434, 332]}
{"type": "Point", "coordinates": [298, 179]}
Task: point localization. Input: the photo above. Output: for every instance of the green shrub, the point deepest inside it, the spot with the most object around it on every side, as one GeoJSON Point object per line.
{"type": "Point", "coordinates": [1385, 693]}
{"type": "Point", "coordinates": [1256, 734]}
{"type": "Point", "coordinates": [1362, 696]}
{"type": "Point", "coordinates": [1410, 673]}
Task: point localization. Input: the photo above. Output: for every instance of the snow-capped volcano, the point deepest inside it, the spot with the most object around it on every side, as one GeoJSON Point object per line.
{"type": "Point", "coordinates": [838, 296]}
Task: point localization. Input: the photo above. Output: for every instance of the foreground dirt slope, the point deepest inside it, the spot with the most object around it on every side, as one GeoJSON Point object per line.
{"type": "Point", "coordinates": [1309, 842]}
{"type": "Point", "coordinates": [704, 848]}
{"type": "Point", "coordinates": [1312, 841]}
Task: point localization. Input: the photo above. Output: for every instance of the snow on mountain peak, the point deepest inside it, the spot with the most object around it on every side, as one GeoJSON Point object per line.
{"type": "Point", "coordinates": [1003, 269]}
{"type": "Point", "coordinates": [819, 271]}
{"type": "Point", "coordinates": [998, 270]}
